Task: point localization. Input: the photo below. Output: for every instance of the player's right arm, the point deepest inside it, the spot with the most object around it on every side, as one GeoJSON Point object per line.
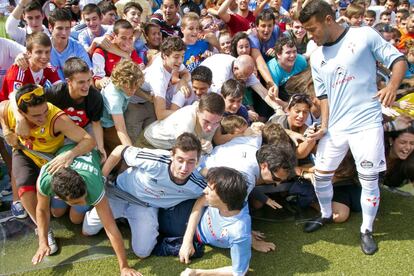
{"type": "Point", "coordinates": [42, 221]}
{"type": "Point", "coordinates": [187, 249]}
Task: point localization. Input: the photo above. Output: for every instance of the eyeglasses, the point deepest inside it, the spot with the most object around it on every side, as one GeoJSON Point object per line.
{"type": "Point", "coordinates": [29, 96]}
{"type": "Point", "coordinates": [299, 98]}
{"type": "Point", "coordinates": [275, 178]}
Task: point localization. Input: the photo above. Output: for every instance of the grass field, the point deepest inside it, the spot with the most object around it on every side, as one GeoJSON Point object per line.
{"type": "Point", "coordinates": [334, 250]}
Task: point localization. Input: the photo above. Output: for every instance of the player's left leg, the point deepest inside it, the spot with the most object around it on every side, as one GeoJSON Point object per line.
{"type": "Point", "coordinates": [368, 150]}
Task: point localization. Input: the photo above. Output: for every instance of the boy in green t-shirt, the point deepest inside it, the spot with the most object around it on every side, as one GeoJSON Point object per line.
{"type": "Point", "coordinates": [80, 186]}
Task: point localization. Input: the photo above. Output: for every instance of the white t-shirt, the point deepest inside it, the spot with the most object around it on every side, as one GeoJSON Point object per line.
{"type": "Point", "coordinates": [160, 80]}
{"type": "Point", "coordinates": [162, 134]}
{"type": "Point", "coordinates": [239, 154]}
{"type": "Point", "coordinates": [222, 67]}
{"type": "Point", "coordinates": [9, 51]}
{"type": "Point", "coordinates": [17, 33]}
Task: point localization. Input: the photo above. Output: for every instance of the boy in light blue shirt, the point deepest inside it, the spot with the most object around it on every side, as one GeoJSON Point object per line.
{"type": "Point", "coordinates": [224, 223]}
{"type": "Point", "coordinates": [64, 47]}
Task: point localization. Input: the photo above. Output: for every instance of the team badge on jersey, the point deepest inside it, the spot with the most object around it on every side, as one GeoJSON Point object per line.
{"type": "Point", "coordinates": [17, 85]}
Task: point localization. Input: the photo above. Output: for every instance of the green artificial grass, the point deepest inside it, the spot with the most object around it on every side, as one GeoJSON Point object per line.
{"type": "Point", "coordinates": [334, 250]}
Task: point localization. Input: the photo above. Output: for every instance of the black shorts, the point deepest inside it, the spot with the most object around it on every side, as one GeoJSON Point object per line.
{"type": "Point", "coordinates": [25, 171]}
{"type": "Point", "coordinates": [348, 193]}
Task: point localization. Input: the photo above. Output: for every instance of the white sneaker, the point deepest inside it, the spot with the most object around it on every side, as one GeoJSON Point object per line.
{"type": "Point", "coordinates": [52, 243]}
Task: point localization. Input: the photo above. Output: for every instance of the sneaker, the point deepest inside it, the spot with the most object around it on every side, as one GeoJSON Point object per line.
{"type": "Point", "coordinates": [368, 244]}
{"type": "Point", "coordinates": [18, 211]}
{"type": "Point", "coordinates": [52, 242]}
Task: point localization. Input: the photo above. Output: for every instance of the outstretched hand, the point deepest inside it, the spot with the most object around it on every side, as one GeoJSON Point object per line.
{"type": "Point", "coordinates": [42, 251]}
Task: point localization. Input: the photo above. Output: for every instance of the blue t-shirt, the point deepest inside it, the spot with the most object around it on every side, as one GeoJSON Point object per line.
{"type": "Point", "coordinates": [410, 71]}
{"type": "Point", "coordinates": [73, 49]}
{"type": "Point", "coordinates": [85, 37]}
{"type": "Point", "coordinates": [228, 232]}
{"type": "Point", "coordinates": [279, 75]}
{"type": "Point", "coordinates": [141, 49]}
{"type": "Point", "coordinates": [263, 46]}
{"type": "Point", "coordinates": [148, 178]}
{"type": "Point", "coordinates": [115, 103]}
{"type": "Point", "coordinates": [194, 54]}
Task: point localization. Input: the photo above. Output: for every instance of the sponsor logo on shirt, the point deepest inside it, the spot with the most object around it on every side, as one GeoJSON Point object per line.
{"type": "Point", "coordinates": [366, 164]}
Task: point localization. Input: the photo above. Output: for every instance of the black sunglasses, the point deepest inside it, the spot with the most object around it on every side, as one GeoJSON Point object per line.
{"type": "Point", "coordinates": [275, 178]}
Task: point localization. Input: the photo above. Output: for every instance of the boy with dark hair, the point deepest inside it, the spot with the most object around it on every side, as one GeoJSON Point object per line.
{"type": "Point", "coordinates": [201, 78]}
{"type": "Point", "coordinates": [155, 179]}
{"type": "Point", "coordinates": [385, 17]}
{"type": "Point", "coordinates": [226, 213]}
{"type": "Point", "coordinates": [233, 93]}
{"type": "Point", "coordinates": [77, 98]}
{"type": "Point", "coordinates": [201, 118]}
{"type": "Point", "coordinates": [104, 61]}
{"type": "Point", "coordinates": [262, 42]}
{"type": "Point", "coordinates": [369, 17]}
{"type": "Point", "coordinates": [285, 64]}
{"type": "Point", "coordinates": [108, 11]}
{"type": "Point", "coordinates": [32, 14]}
{"type": "Point", "coordinates": [345, 83]}
{"type": "Point", "coordinates": [48, 128]}
{"type": "Point", "coordinates": [80, 186]}
{"type": "Point", "coordinates": [159, 75]}
{"type": "Point", "coordinates": [38, 47]}
{"type": "Point", "coordinates": [64, 47]}
{"type": "Point", "coordinates": [92, 16]}
{"type": "Point", "coordinates": [167, 18]}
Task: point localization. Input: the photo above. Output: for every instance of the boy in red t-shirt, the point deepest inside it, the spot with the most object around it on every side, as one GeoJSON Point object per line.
{"type": "Point", "coordinates": [39, 72]}
{"type": "Point", "coordinates": [104, 61]}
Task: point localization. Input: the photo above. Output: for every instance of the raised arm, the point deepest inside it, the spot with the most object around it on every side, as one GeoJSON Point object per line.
{"type": "Point", "coordinates": [113, 160]}
{"type": "Point", "coordinates": [222, 11]}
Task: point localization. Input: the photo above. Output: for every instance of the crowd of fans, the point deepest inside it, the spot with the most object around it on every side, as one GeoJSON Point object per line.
{"type": "Point", "coordinates": [184, 116]}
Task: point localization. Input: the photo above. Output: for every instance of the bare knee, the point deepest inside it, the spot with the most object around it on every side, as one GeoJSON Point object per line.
{"type": "Point", "coordinates": [340, 212]}
{"type": "Point", "coordinates": [58, 212]}
{"type": "Point", "coordinates": [75, 217]}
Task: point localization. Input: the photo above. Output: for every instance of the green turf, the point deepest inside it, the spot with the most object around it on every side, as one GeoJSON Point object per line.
{"type": "Point", "coordinates": [333, 250]}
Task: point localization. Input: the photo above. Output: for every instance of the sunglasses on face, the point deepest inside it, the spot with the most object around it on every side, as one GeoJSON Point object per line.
{"type": "Point", "coordinates": [275, 178]}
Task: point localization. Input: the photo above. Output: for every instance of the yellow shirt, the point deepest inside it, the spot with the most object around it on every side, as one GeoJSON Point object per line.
{"type": "Point", "coordinates": [42, 138]}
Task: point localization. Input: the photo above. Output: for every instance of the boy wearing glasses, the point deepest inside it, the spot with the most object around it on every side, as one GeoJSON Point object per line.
{"type": "Point", "coordinates": [48, 128]}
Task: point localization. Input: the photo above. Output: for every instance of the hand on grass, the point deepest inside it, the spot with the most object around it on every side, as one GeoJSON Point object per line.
{"type": "Point", "coordinates": [127, 271]}
{"type": "Point", "coordinates": [42, 251]}
{"type": "Point", "coordinates": [262, 246]}
{"type": "Point", "coordinates": [186, 251]}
